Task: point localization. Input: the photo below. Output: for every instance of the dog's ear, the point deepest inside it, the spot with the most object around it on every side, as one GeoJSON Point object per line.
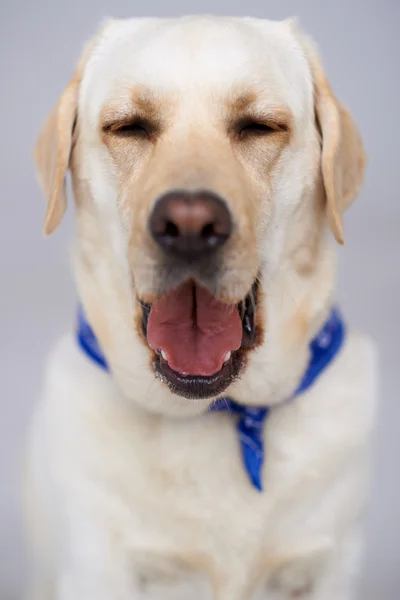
{"type": "Point", "coordinates": [55, 142]}
{"type": "Point", "coordinates": [342, 157]}
{"type": "Point", "coordinates": [53, 151]}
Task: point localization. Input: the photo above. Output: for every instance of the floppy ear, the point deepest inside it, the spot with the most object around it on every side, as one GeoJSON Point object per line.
{"type": "Point", "coordinates": [56, 139]}
{"type": "Point", "coordinates": [53, 151]}
{"type": "Point", "coordinates": [54, 144]}
{"type": "Point", "coordinates": [342, 158]}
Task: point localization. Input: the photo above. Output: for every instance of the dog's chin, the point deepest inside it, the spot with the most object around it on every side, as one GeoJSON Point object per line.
{"type": "Point", "coordinates": [208, 386]}
{"type": "Point", "coordinates": [200, 387]}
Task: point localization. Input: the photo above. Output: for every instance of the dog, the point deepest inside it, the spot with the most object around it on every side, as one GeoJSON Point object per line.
{"type": "Point", "coordinates": [206, 432]}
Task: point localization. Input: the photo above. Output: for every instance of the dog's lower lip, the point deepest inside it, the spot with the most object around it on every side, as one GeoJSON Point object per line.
{"type": "Point", "coordinates": [197, 387]}
{"type": "Point", "coordinates": [201, 387]}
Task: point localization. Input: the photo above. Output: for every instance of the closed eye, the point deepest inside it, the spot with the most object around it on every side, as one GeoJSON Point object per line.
{"type": "Point", "coordinates": [250, 127]}
{"type": "Point", "coordinates": [136, 128]}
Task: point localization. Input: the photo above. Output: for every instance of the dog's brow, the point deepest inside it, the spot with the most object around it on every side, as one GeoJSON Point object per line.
{"type": "Point", "coordinates": [251, 104]}
{"type": "Point", "coordinates": [142, 102]}
{"type": "Point", "coordinates": [146, 102]}
{"type": "Point", "coordinates": [241, 102]}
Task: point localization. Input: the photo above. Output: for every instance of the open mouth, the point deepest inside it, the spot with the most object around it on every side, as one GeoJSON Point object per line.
{"type": "Point", "coordinates": [199, 342]}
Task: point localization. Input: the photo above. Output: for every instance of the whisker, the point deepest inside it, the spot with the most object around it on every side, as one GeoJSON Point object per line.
{"type": "Point", "coordinates": [227, 405]}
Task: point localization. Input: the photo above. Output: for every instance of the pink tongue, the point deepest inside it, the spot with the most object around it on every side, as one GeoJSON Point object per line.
{"type": "Point", "coordinates": [194, 329]}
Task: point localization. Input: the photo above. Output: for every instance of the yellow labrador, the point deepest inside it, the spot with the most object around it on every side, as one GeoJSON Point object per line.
{"type": "Point", "coordinates": [209, 159]}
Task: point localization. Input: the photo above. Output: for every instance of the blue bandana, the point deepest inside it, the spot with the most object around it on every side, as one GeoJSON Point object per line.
{"type": "Point", "coordinates": [250, 419]}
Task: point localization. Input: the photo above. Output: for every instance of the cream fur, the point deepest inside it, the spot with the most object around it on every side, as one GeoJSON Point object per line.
{"type": "Point", "coordinates": [133, 492]}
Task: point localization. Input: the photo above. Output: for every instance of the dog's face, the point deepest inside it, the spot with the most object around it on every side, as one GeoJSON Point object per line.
{"type": "Point", "coordinates": [205, 154]}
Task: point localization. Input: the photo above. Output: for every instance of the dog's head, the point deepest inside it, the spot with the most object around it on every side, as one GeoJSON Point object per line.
{"type": "Point", "coordinates": [206, 154]}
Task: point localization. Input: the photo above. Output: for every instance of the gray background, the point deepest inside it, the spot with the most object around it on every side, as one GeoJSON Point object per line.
{"type": "Point", "coordinates": [40, 42]}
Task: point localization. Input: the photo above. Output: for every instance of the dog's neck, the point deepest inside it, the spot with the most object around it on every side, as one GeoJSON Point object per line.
{"type": "Point", "coordinates": [322, 350]}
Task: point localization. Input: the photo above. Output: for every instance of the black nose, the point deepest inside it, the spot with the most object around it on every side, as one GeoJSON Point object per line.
{"type": "Point", "coordinates": [190, 224]}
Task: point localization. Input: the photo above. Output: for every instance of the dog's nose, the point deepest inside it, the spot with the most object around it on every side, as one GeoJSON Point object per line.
{"type": "Point", "coordinates": [190, 224]}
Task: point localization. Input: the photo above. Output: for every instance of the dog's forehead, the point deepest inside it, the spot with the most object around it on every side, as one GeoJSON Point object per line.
{"type": "Point", "coordinates": [197, 56]}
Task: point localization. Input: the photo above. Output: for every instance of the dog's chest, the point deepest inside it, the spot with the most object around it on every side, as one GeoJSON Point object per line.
{"type": "Point", "coordinates": [191, 508]}
{"type": "Point", "coordinates": [172, 498]}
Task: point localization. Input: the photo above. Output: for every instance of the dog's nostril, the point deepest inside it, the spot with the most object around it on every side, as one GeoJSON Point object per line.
{"type": "Point", "coordinates": [209, 235]}
{"type": "Point", "coordinates": [208, 230]}
{"type": "Point", "coordinates": [171, 230]}
{"type": "Point", "coordinates": [190, 224]}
